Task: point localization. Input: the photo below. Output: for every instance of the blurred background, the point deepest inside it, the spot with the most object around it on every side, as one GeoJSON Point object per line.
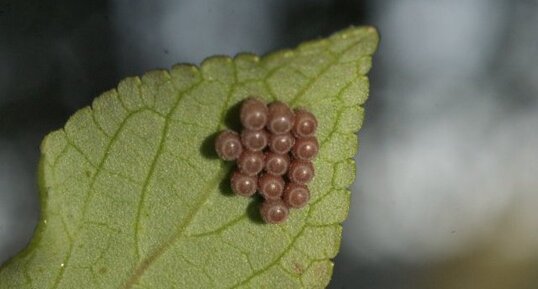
{"type": "Point", "coordinates": [447, 189]}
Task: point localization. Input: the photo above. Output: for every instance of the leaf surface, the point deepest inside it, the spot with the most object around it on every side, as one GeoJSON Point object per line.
{"type": "Point", "coordinates": [133, 196]}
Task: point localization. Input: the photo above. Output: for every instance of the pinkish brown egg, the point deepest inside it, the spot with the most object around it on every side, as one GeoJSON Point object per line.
{"type": "Point", "coordinates": [251, 163]}
{"type": "Point", "coordinates": [305, 123]}
{"type": "Point", "coordinates": [276, 164]}
{"type": "Point", "coordinates": [305, 148]}
{"type": "Point", "coordinates": [244, 185]}
{"type": "Point", "coordinates": [281, 118]}
{"type": "Point", "coordinates": [281, 143]}
{"type": "Point", "coordinates": [254, 114]}
{"type": "Point", "coordinates": [301, 172]}
{"type": "Point", "coordinates": [296, 195]}
{"type": "Point", "coordinates": [274, 212]}
{"type": "Point", "coordinates": [254, 140]}
{"type": "Point", "coordinates": [271, 187]}
{"type": "Point", "coordinates": [228, 145]}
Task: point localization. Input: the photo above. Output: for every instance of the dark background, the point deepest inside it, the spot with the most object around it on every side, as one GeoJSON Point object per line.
{"type": "Point", "coordinates": [447, 189]}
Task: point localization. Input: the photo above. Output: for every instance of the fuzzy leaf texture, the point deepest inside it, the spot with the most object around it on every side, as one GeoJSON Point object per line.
{"type": "Point", "coordinates": [133, 195]}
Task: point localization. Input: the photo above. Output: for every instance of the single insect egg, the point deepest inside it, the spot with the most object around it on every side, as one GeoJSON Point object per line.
{"type": "Point", "coordinates": [271, 187]}
{"type": "Point", "coordinates": [228, 145]}
{"type": "Point", "coordinates": [251, 163]}
{"type": "Point", "coordinates": [281, 118]}
{"type": "Point", "coordinates": [276, 164]}
{"type": "Point", "coordinates": [254, 114]}
{"type": "Point", "coordinates": [296, 195]}
{"type": "Point", "coordinates": [254, 140]}
{"type": "Point", "coordinates": [305, 123]}
{"type": "Point", "coordinates": [274, 212]}
{"type": "Point", "coordinates": [281, 143]}
{"type": "Point", "coordinates": [305, 148]}
{"type": "Point", "coordinates": [244, 185]}
{"type": "Point", "coordinates": [301, 172]}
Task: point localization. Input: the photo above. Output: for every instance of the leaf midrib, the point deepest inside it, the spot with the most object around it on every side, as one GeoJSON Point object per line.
{"type": "Point", "coordinates": [148, 261]}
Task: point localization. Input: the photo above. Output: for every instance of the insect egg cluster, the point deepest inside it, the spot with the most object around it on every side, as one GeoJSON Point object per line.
{"type": "Point", "coordinates": [273, 155]}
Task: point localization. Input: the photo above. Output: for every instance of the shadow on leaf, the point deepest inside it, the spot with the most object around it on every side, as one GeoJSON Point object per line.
{"type": "Point", "coordinates": [253, 210]}
{"type": "Point", "coordinates": [231, 118]}
{"type": "Point", "coordinates": [224, 186]}
{"type": "Point", "coordinates": [207, 149]}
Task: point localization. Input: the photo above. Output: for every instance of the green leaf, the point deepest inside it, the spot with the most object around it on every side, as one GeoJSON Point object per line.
{"type": "Point", "coordinates": [133, 196]}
